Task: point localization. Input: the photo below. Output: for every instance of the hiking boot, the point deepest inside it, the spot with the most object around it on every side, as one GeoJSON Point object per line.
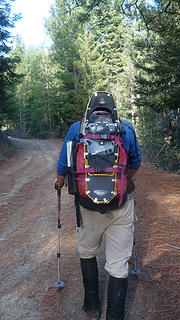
{"type": "Point", "coordinates": [117, 289]}
{"type": "Point", "coordinates": [90, 281]}
{"type": "Point", "coordinates": [93, 314]}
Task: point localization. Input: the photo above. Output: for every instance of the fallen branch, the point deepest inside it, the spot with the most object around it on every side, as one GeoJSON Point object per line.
{"type": "Point", "coordinates": [173, 246]}
{"type": "Point", "coordinates": [160, 151]}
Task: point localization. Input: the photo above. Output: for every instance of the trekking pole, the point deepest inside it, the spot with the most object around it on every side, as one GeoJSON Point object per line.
{"type": "Point", "coordinates": [135, 270]}
{"type": "Point", "coordinates": [58, 284]}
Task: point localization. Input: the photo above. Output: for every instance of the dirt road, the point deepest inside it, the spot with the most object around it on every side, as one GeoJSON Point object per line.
{"type": "Point", "coordinates": [29, 242]}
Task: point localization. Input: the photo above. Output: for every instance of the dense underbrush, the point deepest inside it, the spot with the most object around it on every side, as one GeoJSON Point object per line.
{"type": "Point", "coordinates": [6, 147]}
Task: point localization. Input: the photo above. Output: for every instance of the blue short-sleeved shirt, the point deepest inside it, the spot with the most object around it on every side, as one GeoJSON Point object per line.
{"type": "Point", "coordinates": [130, 142]}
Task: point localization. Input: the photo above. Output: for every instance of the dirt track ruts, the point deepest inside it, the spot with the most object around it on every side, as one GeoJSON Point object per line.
{"type": "Point", "coordinates": [29, 242]}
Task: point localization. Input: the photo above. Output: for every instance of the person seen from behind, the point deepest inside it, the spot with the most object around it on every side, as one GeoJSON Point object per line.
{"type": "Point", "coordinates": [104, 160]}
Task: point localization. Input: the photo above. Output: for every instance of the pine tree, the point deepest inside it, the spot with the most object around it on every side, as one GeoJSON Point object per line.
{"type": "Point", "coordinates": [7, 64]}
{"type": "Point", "coordinates": [158, 80]}
{"type": "Point", "coordinates": [63, 29]}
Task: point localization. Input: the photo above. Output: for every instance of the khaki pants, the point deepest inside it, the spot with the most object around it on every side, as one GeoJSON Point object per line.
{"type": "Point", "coordinates": [118, 227]}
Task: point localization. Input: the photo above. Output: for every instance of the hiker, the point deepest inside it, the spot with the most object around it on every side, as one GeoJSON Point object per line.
{"type": "Point", "coordinates": [106, 157]}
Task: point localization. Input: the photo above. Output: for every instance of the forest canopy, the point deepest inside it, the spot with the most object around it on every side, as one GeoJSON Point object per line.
{"type": "Point", "coordinates": [131, 48]}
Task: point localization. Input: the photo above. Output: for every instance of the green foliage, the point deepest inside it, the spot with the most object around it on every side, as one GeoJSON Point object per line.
{"type": "Point", "coordinates": [158, 83]}
{"type": "Point", "coordinates": [7, 64]}
{"type": "Point", "coordinates": [34, 95]}
{"type": "Point", "coordinates": [64, 30]}
{"type": "Point", "coordinates": [92, 64]}
{"type": "Point", "coordinates": [128, 47]}
{"type": "Point", "coordinates": [43, 135]}
{"type": "Point", "coordinates": [158, 137]}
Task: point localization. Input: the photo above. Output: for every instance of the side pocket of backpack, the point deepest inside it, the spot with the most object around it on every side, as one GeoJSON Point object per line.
{"type": "Point", "coordinates": [71, 188]}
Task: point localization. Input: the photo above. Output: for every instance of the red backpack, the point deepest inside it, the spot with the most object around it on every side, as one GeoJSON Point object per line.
{"type": "Point", "coordinates": [100, 158]}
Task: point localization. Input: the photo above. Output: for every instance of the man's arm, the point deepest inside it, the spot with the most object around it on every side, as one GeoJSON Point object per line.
{"type": "Point", "coordinates": [62, 161]}
{"type": "Point", "coordinates": [134, 154]}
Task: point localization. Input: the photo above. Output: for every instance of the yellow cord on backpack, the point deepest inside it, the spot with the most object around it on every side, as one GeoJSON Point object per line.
{"type": "Point", "coordinates": [135, 216]}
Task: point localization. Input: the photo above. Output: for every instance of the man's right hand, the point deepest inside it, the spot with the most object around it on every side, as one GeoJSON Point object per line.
{"type": "Point", "coordinates": [60, 180]}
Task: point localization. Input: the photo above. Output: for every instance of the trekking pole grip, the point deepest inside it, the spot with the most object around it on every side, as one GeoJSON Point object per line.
{"type": "Point", "coordinates": [57, 188]}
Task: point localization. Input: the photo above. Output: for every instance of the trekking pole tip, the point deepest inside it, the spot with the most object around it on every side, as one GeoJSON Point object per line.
{"type": "Point", "coordinates": [135, 271]}
{"type": "Point", "coordinates": [59, 285]}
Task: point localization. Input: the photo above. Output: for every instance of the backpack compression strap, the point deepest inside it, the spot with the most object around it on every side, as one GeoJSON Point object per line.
{"type": "Point", "coordinates": [118, 140]}
{"type": "Point", "coordinates": [121, 167]}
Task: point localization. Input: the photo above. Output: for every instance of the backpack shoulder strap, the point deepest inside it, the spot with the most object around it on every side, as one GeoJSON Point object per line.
{"type": "Point", "coordinates": [81, 125]}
